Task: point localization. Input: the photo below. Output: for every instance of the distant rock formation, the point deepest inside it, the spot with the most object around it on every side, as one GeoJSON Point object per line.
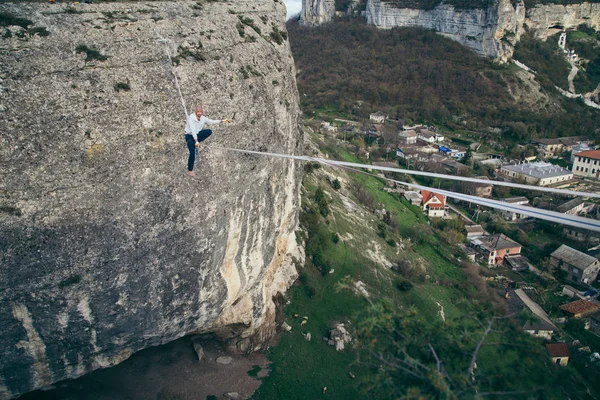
{"type": "Point", "coordinates": [317, 12]}
{"type": "Point", "coordinates": [491, 31]}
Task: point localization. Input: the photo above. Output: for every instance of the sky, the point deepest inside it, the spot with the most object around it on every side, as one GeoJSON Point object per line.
{"type": "Point", "coordinates": [293, 7]}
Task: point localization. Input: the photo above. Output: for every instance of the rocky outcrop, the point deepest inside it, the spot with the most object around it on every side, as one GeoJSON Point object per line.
{"type": "Point", "coordinates": [107, 247]}
{"type": "Point", "coordinates": [548, 19]}
{"type": "Point", "coordinates": [317, 12]}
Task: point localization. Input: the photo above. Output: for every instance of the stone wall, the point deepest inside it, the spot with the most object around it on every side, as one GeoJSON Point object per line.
{"type": "Point", "coordinates": [107, 247]}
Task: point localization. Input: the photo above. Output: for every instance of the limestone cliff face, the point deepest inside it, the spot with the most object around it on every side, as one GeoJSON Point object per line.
{"type": "Point", "coordinates": [545, 20]}
{"type": "Point", "coordinates": [106, 246]}
{"type": "Point", "coordinates": [479, 29]}
{"type": "Point", "coordinates": [490, 31]}
{"type": "Point", "coordinates": [317, 12]}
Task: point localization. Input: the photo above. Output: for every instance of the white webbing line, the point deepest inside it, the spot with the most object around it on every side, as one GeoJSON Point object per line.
{"type": "Point", "coordinates": [552, 216]}
{"type": "Point", "coordinates": [419, 173]}
{"type": "Point", "coordinates": [166, 42]}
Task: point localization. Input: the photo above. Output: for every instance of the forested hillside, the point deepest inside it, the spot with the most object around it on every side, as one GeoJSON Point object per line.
{"type": "Point", "coordinates": [418, 76]}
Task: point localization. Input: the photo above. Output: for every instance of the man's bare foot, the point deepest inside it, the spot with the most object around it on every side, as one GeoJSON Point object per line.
{"type": "Point", "coordinates": [191, 173]}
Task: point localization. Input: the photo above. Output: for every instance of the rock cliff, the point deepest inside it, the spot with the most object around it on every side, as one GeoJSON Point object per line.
{"type": "Point", "coordinates": [317, 12]}
{"type": "Point", "coordinates": [107, 247]}
{"type": "Point", "coordinates": [548, 19]}
{"type": "Point", "coordinates": [490, 31]}
{"type": "Point", "coordinates": [478, 28]}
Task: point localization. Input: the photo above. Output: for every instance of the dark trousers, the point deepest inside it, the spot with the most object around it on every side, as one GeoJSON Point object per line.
{"type": "Point", "coordinates": [191, 145]}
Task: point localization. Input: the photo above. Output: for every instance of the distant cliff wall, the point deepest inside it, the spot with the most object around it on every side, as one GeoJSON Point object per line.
{"type": "Point", "coordinates": [545, 20]}
{"type": "Point", "coordinates": [479, 29]}
{"type": "Point", "coordinates": [489, 31]}
{"type": "Point", "coordinates": [317, 12]}
{"type": "Point", "coordinates": [107, 247]}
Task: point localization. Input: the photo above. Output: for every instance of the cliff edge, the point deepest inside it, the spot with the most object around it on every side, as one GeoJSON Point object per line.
{"type": "Point", "coordinates": [107, 247]}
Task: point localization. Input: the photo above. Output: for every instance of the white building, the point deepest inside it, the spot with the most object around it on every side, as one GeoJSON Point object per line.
{"type": "Point", "coordinates": [408, 137]}
{"type": "Point", "coordinates": [512, 215]}
{"type": "Point", "coordinates": [587, 164]}
{"type": "Point", "coordinates": [537, 173]}
{"type": "Point", "coordinates": [378, 117]}
{"type": "Point", "coordinates": [434, 204]}
{"type": "Point", "coordinates": [427, 136]}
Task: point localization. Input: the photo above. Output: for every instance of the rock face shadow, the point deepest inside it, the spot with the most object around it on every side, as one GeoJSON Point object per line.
{"type": "Point", "coordinates": [171, 371]}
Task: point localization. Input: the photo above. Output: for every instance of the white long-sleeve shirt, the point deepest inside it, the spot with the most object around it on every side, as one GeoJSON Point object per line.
{"type": "Point", "coordinates": [195, 125]}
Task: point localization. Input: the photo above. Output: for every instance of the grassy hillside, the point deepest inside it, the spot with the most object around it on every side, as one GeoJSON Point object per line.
{"type": "Point", "coordinates": [399, 330]}
{"type": "Point", "coordinates": [419, 76]}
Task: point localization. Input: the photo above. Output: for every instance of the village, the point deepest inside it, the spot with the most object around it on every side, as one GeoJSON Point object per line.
{"type": "Point", "coordinates": [565, 259]}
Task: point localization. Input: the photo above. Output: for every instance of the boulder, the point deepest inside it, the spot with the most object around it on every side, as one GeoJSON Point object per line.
{"type": "Point", "coordinates": [198, 348]}
{"type": "Point", "coordinates": [225, 360]}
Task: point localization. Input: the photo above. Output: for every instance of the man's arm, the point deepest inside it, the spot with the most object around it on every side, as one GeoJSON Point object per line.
{"type": "Point", "coordinates": [214, 121]}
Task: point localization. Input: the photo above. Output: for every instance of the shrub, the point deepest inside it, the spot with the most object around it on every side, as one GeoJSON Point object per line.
{"type": "Point", "coordinates": [336, 185]}
{"type": "Point", "coordinates": [381, 230]}
{"type": "Point", "coordinates": [91, 54]}
{"type": "Point", "coordinates": [391, 242]}
{"type": "Point", "coordinates": [73, 279]}
{"type": "Point", "coordinates": [335, 238]}
{"type": "Point", "coordinates": [38, 30]}
{"type": "Point", "coordinates": [121, 86]}
{"type": "Point", "coordinates": [7, 19]}
{"type": "Point", "coordinates": [403, 285]}
{"type": "Point", "coordinates": [321, 201]}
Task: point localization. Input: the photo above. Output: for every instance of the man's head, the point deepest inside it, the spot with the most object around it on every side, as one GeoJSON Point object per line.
{"type": "Point", "coordinates": [199, 110]}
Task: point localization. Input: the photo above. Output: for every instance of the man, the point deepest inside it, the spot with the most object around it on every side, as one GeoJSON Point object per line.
{"type": "Point", "coordinates": [195, 133]}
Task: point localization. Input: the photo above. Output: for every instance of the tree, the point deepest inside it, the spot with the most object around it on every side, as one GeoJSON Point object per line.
{"type": "Point", "coordinates": [441, 358]}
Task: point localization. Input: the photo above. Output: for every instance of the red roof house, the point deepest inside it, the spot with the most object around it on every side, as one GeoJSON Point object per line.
{"type": "Point", "coordinates": [434, 204]}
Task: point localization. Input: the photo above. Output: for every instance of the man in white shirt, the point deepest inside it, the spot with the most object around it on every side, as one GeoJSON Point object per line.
{"type": "Point", "coordinates": [195, 133]}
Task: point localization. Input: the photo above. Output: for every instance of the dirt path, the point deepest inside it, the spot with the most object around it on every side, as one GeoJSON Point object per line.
{"type": "Point", "coordinates": [169, 372]}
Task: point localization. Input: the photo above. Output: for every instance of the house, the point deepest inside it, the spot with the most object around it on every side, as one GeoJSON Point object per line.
{"type": "Point", "coordinates": [517, 262]}
{"type": "Point", "coordinates": [439, 138]}
{"type": "Point", "coordinates": [580, 308]}
{"type": "Point", "coordinates": [469, 252]}
{"type": "Point", "coordinates": [594, 323]}
{"type": "Point", "coordinates": [548, 147]}
{"type": "Point", "coordinates": [433, 204]}
{"type": "Point", "coordinates": [578, 149]}
{"type": "Point", "coordinates": [581, 235]}
{"type": "Point", "coordinates": [551, 147]}
{"type": "Point", "coordinates": [426, 136]}
{"type": "Point", "coordinates": [457, 154]}
{"type": "Point", "coordinates": [497, 246]}
{"type": "Point", "coordinates": [378, 117]}
{"type": "Point", "coordinates": [326, 126]}
{"type": "Point", "coordinates": [559, 353]}
{"type": "Point", "coordinates": [414, 198]}
{"type": "Point", "coordinates": [512, 215]}
{"type": "Point", "coordinates": [579, 266]}
{"type": "Point", "coordinates": [570, 142]}
{"type": "Point", "coordinates": [474, 231]}
{"type": "Point", "coordinates": [537, 173]}
{"type": "Point", "coordinates": [408, 137]}
{"type": "Point", "coordinates": [572, 207]}
{"type": "Point", "coordinates": [539, 325]}
{"type": "Point", "coordinates": [587, 164]}
{"type": "Point", "coordinates": [477, 189]}
{"type": "Point", "coordinates": [453, 166]}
